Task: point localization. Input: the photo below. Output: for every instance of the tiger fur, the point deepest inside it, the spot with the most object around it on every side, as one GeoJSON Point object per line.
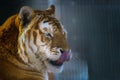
{"type": "Point", "coordinates": [32, 43]}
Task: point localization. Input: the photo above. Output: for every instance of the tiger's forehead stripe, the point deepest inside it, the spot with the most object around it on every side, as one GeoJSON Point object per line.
{"type": "Point", "coordinates": [35, 36]}
{"type": "Point", "coordinates": [51, 20]}
{"type": "Point", "coordinates": [45, 19]}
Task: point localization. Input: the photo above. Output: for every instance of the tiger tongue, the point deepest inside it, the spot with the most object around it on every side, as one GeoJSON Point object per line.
{"type": "Point", "coordinates": [64, 57]}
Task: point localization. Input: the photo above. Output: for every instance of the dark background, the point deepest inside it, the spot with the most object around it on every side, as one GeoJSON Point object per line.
{"type": "Point", "coordinates": [93, 33]}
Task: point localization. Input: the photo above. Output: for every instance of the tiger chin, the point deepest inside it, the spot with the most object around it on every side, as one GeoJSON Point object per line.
{"type": "Point", "coordinates": [32, 44]}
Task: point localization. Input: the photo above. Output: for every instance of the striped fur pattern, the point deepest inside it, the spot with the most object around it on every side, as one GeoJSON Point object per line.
{"type": "Point", "coordinates": [41, 42]}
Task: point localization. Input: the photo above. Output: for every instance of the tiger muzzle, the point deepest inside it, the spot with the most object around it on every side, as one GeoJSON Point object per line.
{"type": "Point", "coordinates": [65, 56]}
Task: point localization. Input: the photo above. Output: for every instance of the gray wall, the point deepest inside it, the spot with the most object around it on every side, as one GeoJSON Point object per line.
{"type": "Point", "coordinates": [93, 33]}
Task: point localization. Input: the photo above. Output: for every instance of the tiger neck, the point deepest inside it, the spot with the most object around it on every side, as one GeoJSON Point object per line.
{"type": "Point", "coordinates": [9, 41]}
{"type": "Point", "coordinates": [9, 36]}
{"type": "Point", "coordinates": [9, 47]}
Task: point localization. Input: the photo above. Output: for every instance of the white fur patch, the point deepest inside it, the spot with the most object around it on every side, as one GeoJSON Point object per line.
{"type": "Point", "coordinates": [54, 69]}
{"type": "Point", "coordinates": [32, 45]}
{"type": "Point", "coordinates": [52, 55]}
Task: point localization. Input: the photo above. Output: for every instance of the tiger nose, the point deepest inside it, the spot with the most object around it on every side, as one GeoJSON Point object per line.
{"type": "Point", "coordinates": [66, 54]}
{"type": "Point", "coordinates": [61, 50]}
{"type": "Point", "coordinates": [64, 51]}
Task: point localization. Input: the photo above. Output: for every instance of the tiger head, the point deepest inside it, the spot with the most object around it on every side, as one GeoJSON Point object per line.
{"type": "Point", "coordinates": [42, 41]}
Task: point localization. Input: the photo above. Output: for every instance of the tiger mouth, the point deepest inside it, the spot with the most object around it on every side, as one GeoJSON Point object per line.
{"type": "Point", "coordinates": [55, 63]}
{"type": "Point", "coordinates": [63, 58]}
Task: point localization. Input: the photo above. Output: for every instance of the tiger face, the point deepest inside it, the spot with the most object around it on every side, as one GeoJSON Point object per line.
{"type": "Point", "coordinates": [42, 40]}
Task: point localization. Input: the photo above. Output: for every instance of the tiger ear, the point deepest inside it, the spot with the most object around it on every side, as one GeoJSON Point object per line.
{"type": "Point", "coordinates": [51, 10]}
{"type": "Point", "coordinates": [25, 15]}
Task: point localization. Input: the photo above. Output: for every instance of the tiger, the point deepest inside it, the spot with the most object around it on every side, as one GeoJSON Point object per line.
{"type": "Point", "coordinates": [33, 43]}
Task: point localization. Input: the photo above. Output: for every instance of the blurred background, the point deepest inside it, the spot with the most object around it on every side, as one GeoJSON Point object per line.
{"type": "Point", "coordinates": [93, 28]}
